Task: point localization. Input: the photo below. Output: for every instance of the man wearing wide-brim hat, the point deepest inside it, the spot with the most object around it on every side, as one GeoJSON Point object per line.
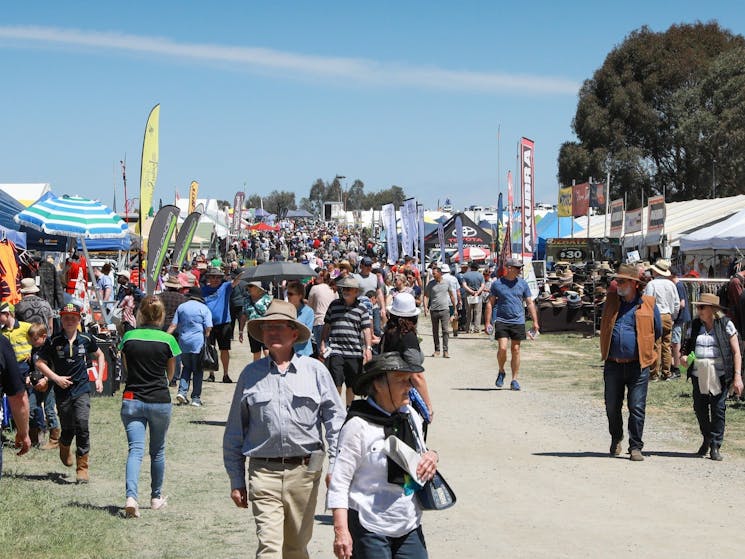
{"type": "Point", "coordinates": [32, 308]}
{"type": "Point", "coordinates": [346, 323]}
{"type": "Point", "coordinates": [279, 405]}
{"type": "Point", "coordinates": [666, 296]}
{"type": "Point", "coordinates": [628, 329]}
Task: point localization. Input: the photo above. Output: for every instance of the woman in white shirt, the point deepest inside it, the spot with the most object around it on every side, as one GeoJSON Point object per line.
{"type": "Point", "coordinates": [376, 512]}
{"type": "Point", "coordinates": [717, 367]}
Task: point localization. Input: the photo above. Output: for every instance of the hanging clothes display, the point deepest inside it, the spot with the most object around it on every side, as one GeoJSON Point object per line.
{"type": "Point", "coordinates": [10, 280]}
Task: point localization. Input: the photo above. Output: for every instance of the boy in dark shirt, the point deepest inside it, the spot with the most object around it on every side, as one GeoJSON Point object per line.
{"type": "Point", "coordinates": [67, 353]}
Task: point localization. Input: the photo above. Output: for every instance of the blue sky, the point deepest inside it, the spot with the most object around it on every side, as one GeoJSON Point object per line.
{"type": "Point", "coordinates": [276, 95]}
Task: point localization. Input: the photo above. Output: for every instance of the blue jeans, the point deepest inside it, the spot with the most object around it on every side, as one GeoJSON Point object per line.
{"type": "Point", "coordinates": [619, 377]}
{"type": "Point", "coordinates": [136, 417]}
{"type": "Point", "coordinates": [45, 399]}
{"type": "Point", "coordinates": [710, 412]}
{"type": "Point", "coordinates": [367, 545]}
{"type": "Point", "coordinates": [36, 413]}
{"type": "Point", "coordinates": [191, 364]}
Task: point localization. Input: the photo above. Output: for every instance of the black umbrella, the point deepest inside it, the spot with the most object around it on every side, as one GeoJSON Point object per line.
{"type": "Point", "coordinates": [278, 271]}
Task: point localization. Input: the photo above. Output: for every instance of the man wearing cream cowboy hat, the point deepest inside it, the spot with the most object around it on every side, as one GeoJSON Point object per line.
{"type": "Point", "coordinates": [279, 404]}
{"type": "Point", "coordinates": [666, 296]}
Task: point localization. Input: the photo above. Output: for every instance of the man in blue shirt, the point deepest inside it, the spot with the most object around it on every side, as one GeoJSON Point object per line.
{"type": "Point", "coordinates": [217, 298]}
{"type": "Point", "coordinates": [509, 292]}
{"type": "Point", "coordinates": [630, 325]}
{"type": "Point", "coordinates": [680, 324]}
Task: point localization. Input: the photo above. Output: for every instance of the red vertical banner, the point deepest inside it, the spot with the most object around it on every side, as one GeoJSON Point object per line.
{"type": "Point", "coordinates": [527, 192]}
{"type": "Point", "coordinates": [580, 199]}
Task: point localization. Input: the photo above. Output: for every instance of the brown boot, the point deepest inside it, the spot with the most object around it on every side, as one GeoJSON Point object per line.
{"type": "Point", "coordinates": [81, 470]}
{"type": "Point", "coordinates": [53, 441]}
{"type": "Point", "coordinates": [33, 434]}
{"type": "Point", "coordinates": [65, 455]}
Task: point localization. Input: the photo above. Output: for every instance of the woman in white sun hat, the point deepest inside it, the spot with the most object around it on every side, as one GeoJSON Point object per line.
{"type": "Point", "coordinates": [400, 335]}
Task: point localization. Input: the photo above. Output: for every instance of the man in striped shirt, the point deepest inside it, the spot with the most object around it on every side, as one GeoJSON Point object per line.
{"type": "Point", "coordinates": [346, 325]}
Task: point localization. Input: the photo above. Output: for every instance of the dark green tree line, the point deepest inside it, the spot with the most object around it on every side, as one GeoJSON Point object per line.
{"type": "Point", "coordinates": [664, 113]}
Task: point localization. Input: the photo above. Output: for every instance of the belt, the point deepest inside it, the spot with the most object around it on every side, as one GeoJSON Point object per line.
{"type": "Point", "coordinates": [294, 460]}
{"type": "Point", "coordinates": [617, 360]}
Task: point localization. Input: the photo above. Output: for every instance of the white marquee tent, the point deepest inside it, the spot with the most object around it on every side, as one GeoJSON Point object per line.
{"type": "Point", "coordinates": [728, 234]}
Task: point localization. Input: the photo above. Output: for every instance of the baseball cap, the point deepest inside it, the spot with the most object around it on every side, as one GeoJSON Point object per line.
{"type": "Point", "coordinates": [7, 307]}
{"type": "Point", "coordinates": [513, 262]}
{"type": "Point", "coordinates": [367, 261]}
{"type": "Point", "coordinates": [71, 308]}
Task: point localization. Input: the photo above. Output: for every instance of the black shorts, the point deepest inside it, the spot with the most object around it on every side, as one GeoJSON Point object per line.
{"type": "Point", "coordinates": [511, 331]}
{"type": "Point", "coordinates": [344, 369]}
{"type": "Point", "coordinates": [221, 333]}
{"type": "Point", "coordinates": [256, 345]}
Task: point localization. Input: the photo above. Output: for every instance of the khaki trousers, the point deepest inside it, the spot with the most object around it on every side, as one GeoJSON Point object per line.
{"type": "Point", "coordinates": [663, 348]}
{"type": "Point", "coordinates": [283, 499]}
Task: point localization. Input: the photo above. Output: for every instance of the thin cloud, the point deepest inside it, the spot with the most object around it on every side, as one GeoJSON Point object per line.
{"type": "Point", "coordinates": [358, 70]}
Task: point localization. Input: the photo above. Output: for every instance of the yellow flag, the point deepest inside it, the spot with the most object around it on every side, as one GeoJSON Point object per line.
{"type": "Point", "coordinates": [149, 166]}
{"type": "Point", "coordinates": [193, 189]}
{"type": "Point", "coordinates": [565, 202]}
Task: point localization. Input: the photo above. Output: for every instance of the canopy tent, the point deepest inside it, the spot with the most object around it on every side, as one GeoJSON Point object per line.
{"type": "Point", "coordinates": [681, 218]}
{"type": "Point", "coordinates": [473, 235]}
{"type": "Point", "coordinates": [16, 237]}
{"type": "Point", "coordinates": [298, 214]}
{"type": "Point", "coordinates": [26, 193]}
{"type": "Point", "coordinates": [263, 227]}
{"type": "Point", "coordinates": [728, 234]}
{"type": "Point", "coordinates": [213, 218]}
{"type": "Point", "coordinates": [551, 226]}
{"type": "Point", "coordinates": [34, 240]}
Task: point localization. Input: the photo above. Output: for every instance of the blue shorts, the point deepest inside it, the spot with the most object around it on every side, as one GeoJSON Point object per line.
{"type": "Point", "coordinates": [677, 335]}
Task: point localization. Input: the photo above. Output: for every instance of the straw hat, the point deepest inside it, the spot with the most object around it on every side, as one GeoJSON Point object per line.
{"type": "Point", "coordinates": [28, 285]}
{"type": "Point", "coordinates": [627, 271]}
{"type": "Point", "coordinates": [709, 300]}
{"type": "Point", "coordinates": [256, 284]}
{"type": "Point", "coordinates": [661, 267]}
{"type": "Point", "coordinates": [278, 310]}
{"type": "Point", "coordinates": [348, 282]}
{"type": "Point", "coordinates": [172, 281]}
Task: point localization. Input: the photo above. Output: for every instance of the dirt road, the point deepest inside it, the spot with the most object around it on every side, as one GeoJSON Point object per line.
{"type": "Point", "coordinates": [533, 477]}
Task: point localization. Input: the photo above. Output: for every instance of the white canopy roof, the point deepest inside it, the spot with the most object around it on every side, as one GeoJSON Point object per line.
{"type": "Point", "coordinates": [681, 218]}
{"type": "Point", "coordinates": [728, 234]}
{"type": "Point", "coordinates": [27, 193]}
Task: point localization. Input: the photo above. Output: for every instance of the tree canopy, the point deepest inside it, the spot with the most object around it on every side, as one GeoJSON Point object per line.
{"type": "Point", "coordinates": [665, 113]}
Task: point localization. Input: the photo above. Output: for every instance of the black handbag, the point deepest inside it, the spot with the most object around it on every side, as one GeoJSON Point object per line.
{"type": "Point", "coordinates": [210, 358]}
{"type": "Point", "coordinates": [436, 494]}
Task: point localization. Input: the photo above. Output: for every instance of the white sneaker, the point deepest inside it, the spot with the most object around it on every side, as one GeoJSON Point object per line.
{"type": "Point", "coordinates": [196, 403]}
{"type": "Point", "coordinates": [131, 510]}
{"type": "Point", "coordinates": [157, 503]}
{"type": "Point", "coordinates": [181, 399]}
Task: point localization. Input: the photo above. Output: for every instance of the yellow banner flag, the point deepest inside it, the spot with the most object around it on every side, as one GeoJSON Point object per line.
{"type": "Point", "coordinates": [565, 202]}
{"type": "Point", "coordinates": [193, 189]}
{"type": "Point", "coordinates": [149, 166]}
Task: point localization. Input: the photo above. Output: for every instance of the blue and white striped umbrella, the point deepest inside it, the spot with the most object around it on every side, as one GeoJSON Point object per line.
{"type": "Point", "coordinates": [73, 216]}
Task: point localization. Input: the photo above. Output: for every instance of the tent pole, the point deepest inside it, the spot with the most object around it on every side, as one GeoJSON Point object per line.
{"type": "Point", "coordinates": [104, 311]}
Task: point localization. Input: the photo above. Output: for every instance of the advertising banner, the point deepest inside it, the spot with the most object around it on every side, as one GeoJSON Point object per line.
{"type": "Point", "coordinates": [183, 238]}
{"type": "Point", "coordinates": [527, 190]}
{"type": "Point", "coordinates": [388, 217]}
{"type": "Point", "coordinates": [564, 206]}
{"type": "Point", "coordinates": [193, 190]}
{"type": "Point", "coordinates": [580, 199]}
{"type": "Point", "coordinates": [441, 241]}
{"type": "Point", "coordinates": [616, 218]}
{"type": "Point", "coordinates": [459, 237]}
{"type": "Point", "coordinates": [235, 226]}
{"type": "Point", "coordinates": [597, 195]}
{"type": "Point", "coordinates": [656, 213]}
{"type": "Point", "coordinates": [633, 221]}
{"type": "Point", "coordinates": [160, 235]}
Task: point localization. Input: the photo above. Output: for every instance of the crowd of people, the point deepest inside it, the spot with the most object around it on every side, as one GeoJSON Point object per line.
{"type": "Point", "coordinates": [336, 368]}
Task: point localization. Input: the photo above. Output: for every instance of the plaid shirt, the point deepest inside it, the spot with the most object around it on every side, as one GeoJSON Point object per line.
{"type": "Point", "coordinates": [171, 301]}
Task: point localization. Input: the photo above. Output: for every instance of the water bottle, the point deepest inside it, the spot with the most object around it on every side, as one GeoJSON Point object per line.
{"type": "Point", "coordinates": [490, 329]}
